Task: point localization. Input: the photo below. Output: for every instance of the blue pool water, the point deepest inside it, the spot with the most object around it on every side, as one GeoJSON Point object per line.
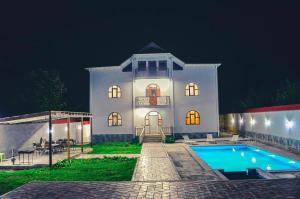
{"type": "Point", "coordinates": [242, 157]}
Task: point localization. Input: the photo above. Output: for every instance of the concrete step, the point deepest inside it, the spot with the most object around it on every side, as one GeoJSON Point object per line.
{"type": "Point", "coordinates": [152, 138]}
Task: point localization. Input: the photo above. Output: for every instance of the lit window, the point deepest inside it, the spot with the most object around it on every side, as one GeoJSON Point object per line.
{"type": "Point", "coordinates": [114, 92]}
{"type": "Point", "coordinates": [114, 119]}
{"type": "Point", "coordinates": [192, 118]}
{"type": "Point", "coordinates": [191, 89]}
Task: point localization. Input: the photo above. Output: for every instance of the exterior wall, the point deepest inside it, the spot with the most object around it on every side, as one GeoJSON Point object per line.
{"type": "Point", "coordinates": [172, 84]}
{"type": "Point", "coordinates": [206, 103]}
{"type": "Point", "coordinates": [101, 106]}
{"type": "Point", "coordinates": [20, 136]}
{"type": "Point", "coordinates": [277, 132]}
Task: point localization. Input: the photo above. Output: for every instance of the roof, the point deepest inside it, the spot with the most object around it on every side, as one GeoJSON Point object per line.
{"type": "Point", "coordinates": [43, 117]}
{"type": "Point", "coordinates": [152, 48]}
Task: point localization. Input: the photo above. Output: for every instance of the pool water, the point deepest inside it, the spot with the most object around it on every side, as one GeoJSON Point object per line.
{"type": "Point", "coordinates": [242, 157]}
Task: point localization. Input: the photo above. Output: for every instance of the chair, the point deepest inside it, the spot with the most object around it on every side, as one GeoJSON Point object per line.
{"type": "Point", "coordinates": [235, 138]}
{"type": "Point", "coordinates": [187, 140]}
{"type": "Point", "coordinates": [210, 139]}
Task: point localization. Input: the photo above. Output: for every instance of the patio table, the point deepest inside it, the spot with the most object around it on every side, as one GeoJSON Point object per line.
{"type": "Point", "coordinates": [28, 152]}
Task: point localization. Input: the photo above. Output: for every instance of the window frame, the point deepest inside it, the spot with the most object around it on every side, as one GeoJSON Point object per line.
{"type": "Point", "coordinates": [191, 89]}
{"type": "Point", "coordinates": [114, 91]}
{"type": "Point", "coordinates": [192, 114]}
{"type": "Point", "coordinates": [114, 116]}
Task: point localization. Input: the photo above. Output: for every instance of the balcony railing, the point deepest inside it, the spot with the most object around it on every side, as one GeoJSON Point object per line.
{"type": "Point", "coordinates": [151, 74]}
{"type": "Point", "coordinates": [152, 101]}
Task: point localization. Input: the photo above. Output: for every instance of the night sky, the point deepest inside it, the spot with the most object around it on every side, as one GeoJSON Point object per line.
{"type": "Point", "coordinates": [258, 43]}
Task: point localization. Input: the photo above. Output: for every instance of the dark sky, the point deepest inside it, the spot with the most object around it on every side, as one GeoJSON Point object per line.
{"type": "Point", "coordinates": [257, 42]}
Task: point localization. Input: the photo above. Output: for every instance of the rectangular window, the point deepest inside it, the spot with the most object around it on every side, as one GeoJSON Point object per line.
{"type": "Point", "coordinates": [152, 66]}
{"type": "Point", "coordinates": [142, 66]}
{"type": "Point", "coordinates": [162, 65]}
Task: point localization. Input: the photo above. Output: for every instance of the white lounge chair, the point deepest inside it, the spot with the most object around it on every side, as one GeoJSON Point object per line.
{"type": "Point", "coordinates": [187, 140]}
{"type": "Point", "coordinates": [210, 139]}
{"type": "Point", "coordinates": [235, 138]}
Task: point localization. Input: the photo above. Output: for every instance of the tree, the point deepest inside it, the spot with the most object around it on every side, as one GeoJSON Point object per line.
{"type": "Point", "coordinates": [289, 94]}
{"type": "Point", "coordinates": [44, 91]}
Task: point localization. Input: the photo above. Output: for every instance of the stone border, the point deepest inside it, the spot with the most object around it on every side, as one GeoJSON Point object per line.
{"type": "Point", "coordinates": [203, 164]}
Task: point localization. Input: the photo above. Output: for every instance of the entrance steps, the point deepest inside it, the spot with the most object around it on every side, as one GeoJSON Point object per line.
{"type": "Point", "coordinates": [152, 138]}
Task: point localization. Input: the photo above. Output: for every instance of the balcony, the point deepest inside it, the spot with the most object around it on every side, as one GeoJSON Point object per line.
{"type": "Point", "coordinates": [151, 74]}
{"type": "Point", "coordinates": [152, 101]}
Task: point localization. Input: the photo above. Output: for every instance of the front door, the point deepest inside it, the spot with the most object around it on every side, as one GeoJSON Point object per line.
{"type": "Point", "coordinates": [153, 124]}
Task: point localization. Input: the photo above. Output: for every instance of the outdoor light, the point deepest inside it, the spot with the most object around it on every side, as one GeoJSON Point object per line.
{"type": "Point", "coordinates": [253, 160]}
{"type": "Point", "coordinates": [289, 124]}
{"type": "Point", "coordinates": [269, 167]}
{"type": "Point", "coordinates": [66, 128]}
{"type": "Point", "coordinates": [241, 121]}
{"type": "Point", "coordinates": [292, 162]}
{"type": "Point", "coordinates": [252, 121]}
{"type": "Point", "coordinates": [79, 127]}
{"type": "Point", "coordinates": [242, 154]}
{"type": "Point", "coordinates": [267, 122]}
{"type": "Point", "coordinates": [232, 120]}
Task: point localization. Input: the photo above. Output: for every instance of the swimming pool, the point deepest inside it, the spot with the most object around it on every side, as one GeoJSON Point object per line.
{"type": "Point", "coordinates": [242, 157]}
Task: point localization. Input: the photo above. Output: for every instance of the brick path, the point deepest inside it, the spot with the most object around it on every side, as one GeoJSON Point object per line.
{"type": "Point", "coordinates": [155, 164]}
{"type": "Point", "coordinates": [263, 189]}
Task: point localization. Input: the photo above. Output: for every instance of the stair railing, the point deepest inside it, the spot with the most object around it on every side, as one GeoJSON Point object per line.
{"type": "Point", "coordinates": [142, 135]}
{"type": "Point", "coordinates": [162, 134]}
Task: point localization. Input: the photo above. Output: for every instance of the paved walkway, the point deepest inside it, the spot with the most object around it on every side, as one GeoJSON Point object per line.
{"type": "Point", "coordinates": [155, 164]}
{"type": "Point", "coordinates": [258, 189]}
{"type": "Point", "coordinates": [87, 156]}
{"type": "Point", "coordinates": [186, 166]}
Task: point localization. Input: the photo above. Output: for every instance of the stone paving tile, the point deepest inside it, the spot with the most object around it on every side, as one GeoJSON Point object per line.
{"type": "Point", "coordinates": [155, 165]}
{"type": "Point", "coordinates": [186, 166]}
{"type": "Point", "coordinates": [264, 189]}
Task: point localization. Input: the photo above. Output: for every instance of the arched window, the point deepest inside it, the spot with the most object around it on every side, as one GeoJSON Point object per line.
{"type": "Point", "coordinates": [114, 92]}
{"type": "Point", "coordinates": [114, 119]}
{"type": "Point", "coordinates": [152, 90]}
{"type": "Point", "coordinates": [192, 118]}
{"type": "Point", "coordinates": [191, 89]}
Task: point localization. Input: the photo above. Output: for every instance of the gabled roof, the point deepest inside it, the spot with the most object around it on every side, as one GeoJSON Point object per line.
{"type": "Point", "coordinates": [152, 48]}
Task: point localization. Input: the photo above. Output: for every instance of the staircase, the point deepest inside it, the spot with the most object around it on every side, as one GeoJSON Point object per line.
{"type": "Point", "coordinates": [152, 138]}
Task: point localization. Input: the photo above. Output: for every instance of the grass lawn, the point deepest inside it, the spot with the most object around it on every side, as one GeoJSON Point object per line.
{"type": "Point", "coordinates": [107, 169]}
{"type": "Point", "coordinates": [116, 148]}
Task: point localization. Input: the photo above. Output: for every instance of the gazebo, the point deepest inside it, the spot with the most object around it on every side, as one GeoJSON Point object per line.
{"type": "Point", "coordinates": [53, 117]}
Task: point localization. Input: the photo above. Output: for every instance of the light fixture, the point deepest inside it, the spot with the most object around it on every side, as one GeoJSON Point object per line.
{"type": "Point", "coordinates": [241, 121]}
{"type": "Point", "coordinates": [269, 167]}
{"type": "Point", "coordinates": [253, 160]}
{"type": "Point", "coordinates": [289, 124]}
{"type": "Point", "coordinates": [252, 122]}
{"type": "Point", "coordinates": [79, 127]}
{"type": "Point", "coordinates": [232, 121]}
{"type": "Point", "coordinates": [242, 154]}
{"type": "Point", "coordinates": [267, 122]}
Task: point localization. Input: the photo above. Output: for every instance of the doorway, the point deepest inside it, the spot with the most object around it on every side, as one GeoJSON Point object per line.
{"type": "Point", "coordinates": [153, 91]}
{"type": "Point", "coordinates": [153, 122]}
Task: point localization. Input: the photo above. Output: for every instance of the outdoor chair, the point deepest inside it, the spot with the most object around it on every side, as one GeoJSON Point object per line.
{"type": "Point", "coordinates": [187, 140]}
{"type": "Point", "coordinates": [210, 139]}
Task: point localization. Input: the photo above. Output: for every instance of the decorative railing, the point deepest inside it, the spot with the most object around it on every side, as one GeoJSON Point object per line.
{"type": "Point", "coordinates": [140, 132]}
{"type": "Point", "coordinates": [151, 74]}
{"type": "Point", "coordinates": [167, 130]}
{"type": "Point", "coordinates": [152, 101]}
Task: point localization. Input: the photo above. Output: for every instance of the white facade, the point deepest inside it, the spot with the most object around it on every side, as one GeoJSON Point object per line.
{"type": "Point", "coordinates": [153, 97]}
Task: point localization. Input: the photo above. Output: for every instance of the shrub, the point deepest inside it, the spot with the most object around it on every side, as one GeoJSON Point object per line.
{"type": "Point", "coordinates": [169, 139]}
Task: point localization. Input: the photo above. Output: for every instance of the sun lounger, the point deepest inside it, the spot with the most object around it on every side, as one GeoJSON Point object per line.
{"type": "Point", "coordinates": [210, 139]}
{"type": "Point", "coordinates": [187, 140]}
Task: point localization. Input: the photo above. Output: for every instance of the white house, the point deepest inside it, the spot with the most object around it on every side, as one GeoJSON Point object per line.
{"type": "Point", "coordinates": [153, 91]}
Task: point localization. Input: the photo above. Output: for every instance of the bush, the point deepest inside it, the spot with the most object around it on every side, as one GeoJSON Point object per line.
{"type": "Point", "coordinates": [169, 139]}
